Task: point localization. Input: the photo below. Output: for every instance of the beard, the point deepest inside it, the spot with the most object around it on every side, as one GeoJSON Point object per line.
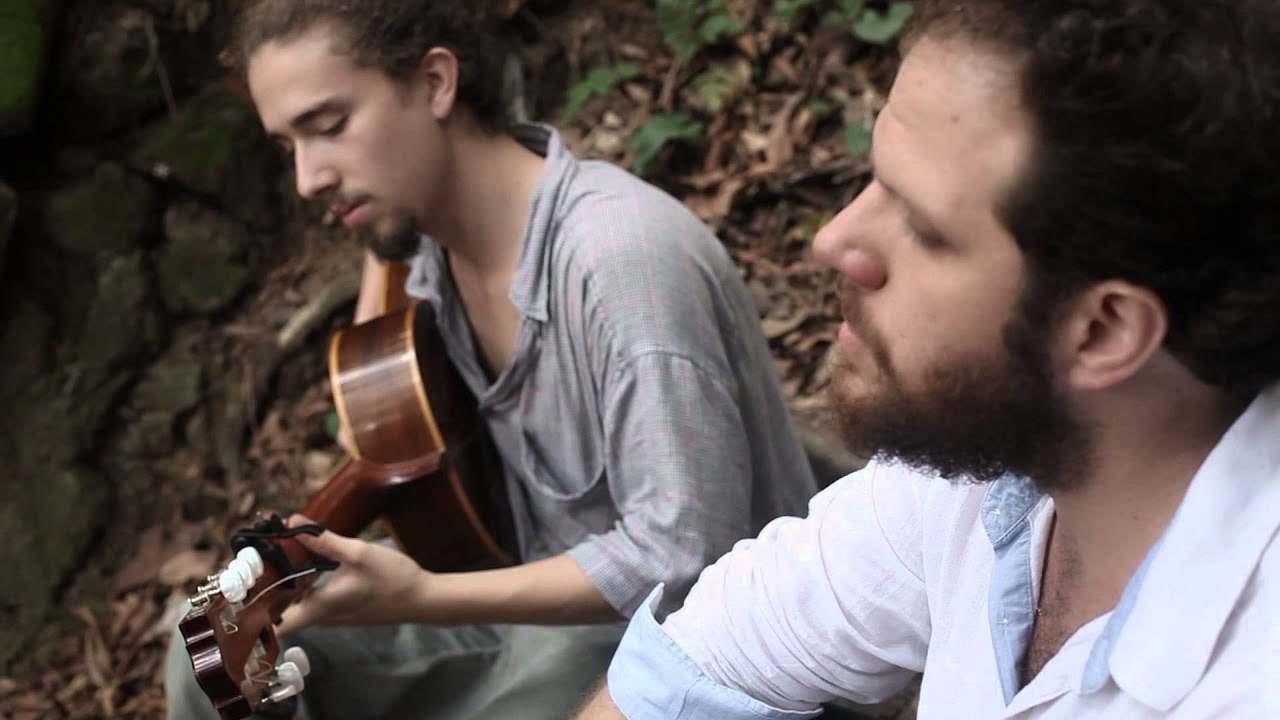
{"type": "Point", "coordinates": [393, 237]}
{"type": "Point", "coordinates": [973, 418]}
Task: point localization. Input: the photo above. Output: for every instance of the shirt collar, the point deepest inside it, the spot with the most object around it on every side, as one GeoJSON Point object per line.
{"type": "Point", "coordinates": [530, 288]}
{"type": "Point", "coordinates": [1229, 504]}
{"type": "Point", "coordinates": [1007, 503]}
{"type": "Point", "coordinates": [1206, 556]}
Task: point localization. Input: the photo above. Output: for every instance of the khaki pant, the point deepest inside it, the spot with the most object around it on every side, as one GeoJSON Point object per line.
{"type": "Point", "coordinates": [415, 672]}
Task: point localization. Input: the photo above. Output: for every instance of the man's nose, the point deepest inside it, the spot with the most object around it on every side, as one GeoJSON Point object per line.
{"type": "Point", "coordinates": [313, 176]}
{"type": "Point", "coordinates": [846, 244]}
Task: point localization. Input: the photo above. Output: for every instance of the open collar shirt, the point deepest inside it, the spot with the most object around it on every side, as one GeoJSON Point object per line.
{"type": "Point", "coordinates": [640, 423]}
{"type": "Point", "coordinates": [895, 573]}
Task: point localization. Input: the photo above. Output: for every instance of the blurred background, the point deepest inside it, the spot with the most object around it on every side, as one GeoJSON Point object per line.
{"type": "Point", "coordinates": [167, 299]}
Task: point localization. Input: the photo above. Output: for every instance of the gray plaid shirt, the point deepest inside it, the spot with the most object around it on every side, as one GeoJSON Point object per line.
{"type": "Point", "coordinates": [640, 422]}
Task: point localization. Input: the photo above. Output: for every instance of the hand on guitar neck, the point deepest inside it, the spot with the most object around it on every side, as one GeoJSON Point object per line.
{"type": "Point", "coordinates": [373, 585]}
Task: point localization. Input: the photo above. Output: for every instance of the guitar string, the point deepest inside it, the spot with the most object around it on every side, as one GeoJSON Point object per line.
{"type": "Point", "coordinates": [268, 588]}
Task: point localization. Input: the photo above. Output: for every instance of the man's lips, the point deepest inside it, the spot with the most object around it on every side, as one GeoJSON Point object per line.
{"type": "Point", "coordinates": [350, 213]}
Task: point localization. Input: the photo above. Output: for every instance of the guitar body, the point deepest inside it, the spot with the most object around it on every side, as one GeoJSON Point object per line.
{"type": "Point", "coordinates": [402, 399]}
{"type": "Point", "coordinates": [422, 461]}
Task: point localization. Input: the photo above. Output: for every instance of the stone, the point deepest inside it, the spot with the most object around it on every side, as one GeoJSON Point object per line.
{"type": "Point", "coordinates": [200, 268]}
{"type": "Point", "coordinates": [172, 385]}
{"type": "Point", "coordinates": [110, 76]}
{"type": "Point", "coordinates": [216, 147]}
{"type": "Point", "coordinates": [8, 215]}
{"type": "Point", "coordinates": [48, 523]}
{"type": "Point", "coordinates": [111, 211]}
{"type": "Point", "coordinates": [24, 43]}
{"type": "Point", "coordinates": [149, 436]}
{"type": "Point", "coordinates": [114, 331]}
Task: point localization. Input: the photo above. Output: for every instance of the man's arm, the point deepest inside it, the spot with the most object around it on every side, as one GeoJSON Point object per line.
{"type": "Point", "coordinates": [601, 707]}
{"type": "Point", "coordinates": [375, 584]}
{"type": "Point", "coordinates": [829, 606]}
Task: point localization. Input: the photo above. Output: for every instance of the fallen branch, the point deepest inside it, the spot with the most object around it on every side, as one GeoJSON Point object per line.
{"type": "Point", "coordinates": [317, 310]}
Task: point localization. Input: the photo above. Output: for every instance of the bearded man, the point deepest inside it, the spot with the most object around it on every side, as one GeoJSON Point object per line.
{"type": "Point", "coordinates": [1061, 338]}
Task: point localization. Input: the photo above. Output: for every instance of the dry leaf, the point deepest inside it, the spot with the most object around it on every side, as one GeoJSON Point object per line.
{"type": "Point", "coordinates": [187, 567]}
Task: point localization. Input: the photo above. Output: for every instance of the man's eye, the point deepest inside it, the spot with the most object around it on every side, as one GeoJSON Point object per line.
{"type": "Point", "coordinates": [334, 128]}
{"type": "Point", "coordinates": [927, 239]}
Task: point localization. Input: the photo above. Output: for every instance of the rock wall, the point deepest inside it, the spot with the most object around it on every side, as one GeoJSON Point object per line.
{"type": "Point", "coordinates": [139, 201]}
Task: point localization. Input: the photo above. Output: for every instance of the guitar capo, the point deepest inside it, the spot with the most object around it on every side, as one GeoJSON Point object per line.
{"type": "Point", "coordinates": [263, 537]}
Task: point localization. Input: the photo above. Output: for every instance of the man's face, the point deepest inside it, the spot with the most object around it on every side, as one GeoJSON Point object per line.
{"type": "Point", "coordinates": [366, 146]}
{"type": "Point", "coordinates": [944, 358]}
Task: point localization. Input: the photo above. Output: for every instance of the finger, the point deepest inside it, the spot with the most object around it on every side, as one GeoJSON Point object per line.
{"type": "Point", "coordinates": [298, 616]}
{"type": "Point", "coordinates": [332, 546]}
{"type": "Point", "coordinates": [298, 520]}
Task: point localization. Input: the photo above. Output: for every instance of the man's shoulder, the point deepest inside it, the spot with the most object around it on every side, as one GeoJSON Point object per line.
{"type": "Point", "coordinates": [610, 209]}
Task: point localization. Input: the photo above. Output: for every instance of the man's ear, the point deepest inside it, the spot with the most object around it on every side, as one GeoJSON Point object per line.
{"type": "Point", "coordinates": [438, 73]}
{"type": "Point", "coordinates": [1111, 331]}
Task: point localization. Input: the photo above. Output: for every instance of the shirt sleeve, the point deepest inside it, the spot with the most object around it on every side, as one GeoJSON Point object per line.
{"type": "Point", "coordinates": [832, 605]}
{"type": "Point", "coordinates": [677, 465]}
{"type": "Point", "coordinates": [651, 678]}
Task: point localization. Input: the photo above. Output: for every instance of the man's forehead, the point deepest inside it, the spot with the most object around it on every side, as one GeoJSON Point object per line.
{"type": "Point", "coordinates": [288, 76]}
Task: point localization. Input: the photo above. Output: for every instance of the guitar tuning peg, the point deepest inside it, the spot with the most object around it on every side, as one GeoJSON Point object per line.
{"type": "Point", "coordinates": [234, 584]}
{"type": "Point", "coordinates": [289, 682]}
{"type": "Point", "coordinates": [253, 559]}
{"type": "Point", "coordinates": [298, 657]}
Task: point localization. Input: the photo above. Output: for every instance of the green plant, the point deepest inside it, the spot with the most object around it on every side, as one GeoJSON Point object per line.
{"type": "Point", "coordinates": [650, 138]}
{"type": "Point", "coordinates": [687, 26]}
{"type": "Point", "coordinates": [868, 24]}
{"type": "Point", "coordinates": [787, 10]}
{"type": "Point", "coordinates": [598, 82]}
{"type": "Point", "coordinates": [857, 137]}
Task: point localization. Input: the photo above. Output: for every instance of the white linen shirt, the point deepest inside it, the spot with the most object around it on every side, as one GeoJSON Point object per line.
{"type": "Point", "coordinates": [895, 573]}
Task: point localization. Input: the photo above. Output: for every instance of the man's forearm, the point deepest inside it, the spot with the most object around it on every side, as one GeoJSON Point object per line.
{"type": "Point", "coordinates": [600, 707]}
{"type": "Point", "coordinates": [554, 591]}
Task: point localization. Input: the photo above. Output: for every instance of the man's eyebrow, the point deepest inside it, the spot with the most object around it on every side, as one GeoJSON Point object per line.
{"type": "Point", "coordinates": [311, 114]}
{"type": "Point", "coordinates": [324, 107]}
{"type": "Point", "coordinates": [912, 209]}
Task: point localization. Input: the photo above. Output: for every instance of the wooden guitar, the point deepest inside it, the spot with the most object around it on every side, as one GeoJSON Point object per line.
{"type": "Point", "coordinates": [422, 461]}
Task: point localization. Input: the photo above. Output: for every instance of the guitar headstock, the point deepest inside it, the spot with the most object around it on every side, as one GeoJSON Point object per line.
{"type": "Point", "coordinates": [230, 630]}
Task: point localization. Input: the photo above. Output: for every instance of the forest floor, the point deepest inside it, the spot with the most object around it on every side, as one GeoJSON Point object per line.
{"type": "Point", "coordinates": [762, 133]}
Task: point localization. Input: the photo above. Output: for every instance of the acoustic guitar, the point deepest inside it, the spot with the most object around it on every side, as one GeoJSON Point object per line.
{"type": "Point", "coordinates": [422, 461]}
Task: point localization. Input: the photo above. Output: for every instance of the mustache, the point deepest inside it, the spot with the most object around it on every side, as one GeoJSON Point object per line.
{"type": "Point", "coordinates": [852, 312]}
{"type": "Point", "coordinates": [851, 306]}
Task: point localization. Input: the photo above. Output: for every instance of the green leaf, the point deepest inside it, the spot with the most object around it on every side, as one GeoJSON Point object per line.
{"type": "Point", "coordinates": [332, 424]}
{"type": "Point", "coordinates": [678, 21]}
{"type": "Point", "coordinates": [786, 10]}
{"type": "Point", "coordinates": [654, 135]}
{"type": "Point", "coordinates": [598, 82]}
{"type": "Point", "coordinates": [844, 16]}
{"type": "Point", "coordinates": [857, 137]}
{"type": "Point", "coordinates": [875, 27]}
{"type": "Point", "coordinates": [717, 87]}
{"type": "Point", "coordinates": [718, 26]}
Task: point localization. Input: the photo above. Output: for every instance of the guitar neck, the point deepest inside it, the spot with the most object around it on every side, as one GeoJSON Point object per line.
{"type": "Point", "coordinates": [394, 297]}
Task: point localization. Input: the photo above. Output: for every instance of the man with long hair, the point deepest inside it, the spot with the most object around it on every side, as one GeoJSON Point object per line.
{"type": "Point", "coordinates": [616, 357]}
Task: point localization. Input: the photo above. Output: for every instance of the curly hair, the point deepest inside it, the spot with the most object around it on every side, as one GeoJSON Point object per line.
{"type": "Point", "coordinates": [393, 36]}
{"type": "Point", "coordinates": [1156, 160]}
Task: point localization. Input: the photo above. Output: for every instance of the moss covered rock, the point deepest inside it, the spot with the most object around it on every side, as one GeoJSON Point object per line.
{"type": "Point", "coordinates": [111, 75]}
{"type": "Point", "coordinates": [201, 268]}
{"type": "Point", "coordinates": [23, 46]}
{"type": "Point", "coordinates": [110, 211]}
{"type": "Point", "coordinates": [8, 214]}
{"type": "Point", "coordinates": [216, 147]}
